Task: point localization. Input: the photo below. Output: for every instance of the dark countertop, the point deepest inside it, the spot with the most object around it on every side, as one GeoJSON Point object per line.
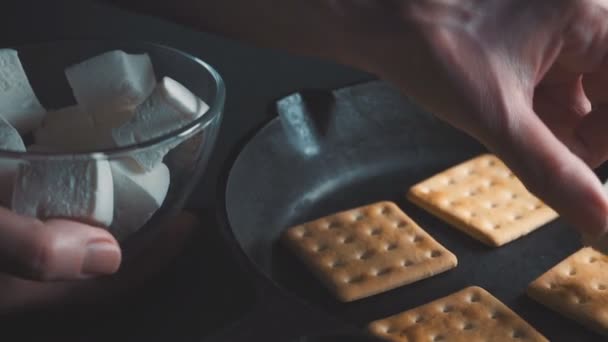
{"type": "Point", "coordinates": [203, 291]}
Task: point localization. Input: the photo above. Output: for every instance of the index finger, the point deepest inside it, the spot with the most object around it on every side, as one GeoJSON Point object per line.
{"type": "Point", "coordinates": [552, 172]}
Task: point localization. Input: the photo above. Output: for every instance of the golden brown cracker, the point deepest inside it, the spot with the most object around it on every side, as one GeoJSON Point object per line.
{"type": "Point", "coordinates": [577, 288]}
{"type": "Point", "coordinates": [367, 250]}
{"type": "Point", "coordinates": [484, 199]}
{"type": "Point", "coordinates": [471, 314]}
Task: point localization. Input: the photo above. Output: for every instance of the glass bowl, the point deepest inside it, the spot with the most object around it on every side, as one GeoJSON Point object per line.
{"type": "Point", "coordinates": [189, 145]}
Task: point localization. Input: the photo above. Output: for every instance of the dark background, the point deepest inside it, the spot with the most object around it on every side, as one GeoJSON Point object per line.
{"type": "Point", "coordinates": [203, 291]}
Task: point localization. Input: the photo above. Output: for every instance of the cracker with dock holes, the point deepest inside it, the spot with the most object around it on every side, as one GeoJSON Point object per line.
{"type": "Point", "coordinates": [471, 314]}
{"type": "Point", "coordinates": [577, 288]}
{"type": "Point", "coordinates": [484, 199]}
{"type": "Point", "coordinates": [367, 250]}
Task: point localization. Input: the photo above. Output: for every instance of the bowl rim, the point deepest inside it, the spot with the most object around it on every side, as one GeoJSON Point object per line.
{"type": "Point", "coordinates": [216, 107]}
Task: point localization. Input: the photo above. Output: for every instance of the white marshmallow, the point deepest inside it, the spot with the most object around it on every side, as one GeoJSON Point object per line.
{"type": "Point", "coordinates": [109, 86]}
{"type": "Point", "coordinates": [10, 140]}
{"type": "Point", "coordinates": [70, 129]}
{"type": "Point", "coordinates": [80, 190]}
{"type": "Point", "coordinates": [18, 102]}
{"type": "Point", "coordinates": [137, 196]}
{"type": "Point", "coordinates": [169, 107]}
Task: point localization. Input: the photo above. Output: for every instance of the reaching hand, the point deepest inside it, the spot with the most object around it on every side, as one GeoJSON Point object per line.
{"type": "Point", "coordinates": [529, 79]}
{"type": "Point", "coordinates": [78, 263]}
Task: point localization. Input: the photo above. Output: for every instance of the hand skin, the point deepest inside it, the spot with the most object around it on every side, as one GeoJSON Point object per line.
{"type": "Point", "coordinates": [42, 262]}
{"type": "Point", "coordinates": [526, 78]}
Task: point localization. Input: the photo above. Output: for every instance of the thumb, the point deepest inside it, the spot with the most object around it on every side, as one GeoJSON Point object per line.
{"type": "Point", "coordinates": [55, 249]}
{"type": "Point", "coordinates": [551, 171]}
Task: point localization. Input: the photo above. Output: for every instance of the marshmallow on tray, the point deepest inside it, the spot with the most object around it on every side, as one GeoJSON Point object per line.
{"type": "Point", "coordinates": [169, 107]}
{"type": "Point", "coordinates": [76, 189]}
{"type": "Point", "coordinates": [18, 102]}
{"type": "Point", "coordinates": [10, 140]}
{"type": "Point", "coordinates": [109, 86]}
{"type": "Point", "coordinates": [137, 196]}
{"type": "Point", "coordinates": [71, 129]}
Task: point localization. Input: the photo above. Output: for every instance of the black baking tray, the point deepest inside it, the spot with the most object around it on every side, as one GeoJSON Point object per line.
{"type": "Point", "coordinates": [332, 150]}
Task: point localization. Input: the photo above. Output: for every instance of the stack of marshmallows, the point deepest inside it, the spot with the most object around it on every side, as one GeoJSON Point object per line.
{"type": "Point", "coordinates": [118, 102]}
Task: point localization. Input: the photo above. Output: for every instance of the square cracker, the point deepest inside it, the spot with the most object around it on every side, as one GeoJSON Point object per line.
{"type": "Point", "coordinates": [484, 199]}
{"type": "Point", "coordinates": [577, 288]}
{"type": "Point", "coordinates": [367, 250]}
{"type": "Point", "coordinates": [469, 315]}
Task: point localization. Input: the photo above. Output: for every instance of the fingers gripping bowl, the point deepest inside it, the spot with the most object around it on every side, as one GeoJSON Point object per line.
{"type": "Point", "coordinates": [114, 134]}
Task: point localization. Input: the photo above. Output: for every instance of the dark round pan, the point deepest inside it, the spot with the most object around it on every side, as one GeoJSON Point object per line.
{"type": "Point", "coordinates": [331, 151]}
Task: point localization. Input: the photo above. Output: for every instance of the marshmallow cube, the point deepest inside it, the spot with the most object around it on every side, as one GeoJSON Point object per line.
{"type": "Point", "coordinates": [10, 140]}
{"type": "Point", "coordinates": [137, 196]}
{"type": "Point", "coordinates": [109, 86]}
{"type": "Point", "coordinates": [169, 107]}
{"type": "Point", "coordinates": [18, 102]}
{"type": "Point", "coordinates": [79, 190]}
{"type": "Point", "coordinates": [70, 129]}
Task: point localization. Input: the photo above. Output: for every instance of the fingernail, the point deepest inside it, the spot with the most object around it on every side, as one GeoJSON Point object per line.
{"type": "Point", "coordinates": [101, 258]}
